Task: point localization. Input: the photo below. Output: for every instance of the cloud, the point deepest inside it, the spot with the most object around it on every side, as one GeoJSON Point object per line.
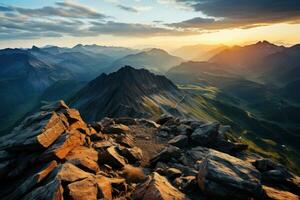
{"type": "Point", "coordinates": [133, 30]}
{"type": "Point", "coordinates": [127, 8]}
{"type": "Point", "coordinates": [245, 14]}
{"type": "Point", "coordinates": [61, 9]}
{"type": "Point", "coordinates": [69, 19]}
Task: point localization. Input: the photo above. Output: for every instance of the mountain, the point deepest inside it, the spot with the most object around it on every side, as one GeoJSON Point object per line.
{"type": "Point", "coordinates": [119, 158]}
{"type": "Point", "coordinates": [155, 60]}
{"type": "Point", "coordinates": [23, 77]}
{"type": "Point", "coordinates": [240, 58]}
{"type": "Point", "coordinates": [111, 51]}
{"type": "Point", "coordinates": [280, 68]}
{"type": "Point", "coordinates": [271, 111]}
{"type": "Point", "coordinates": [127, 92]}
{"type": "Point", "coordinates": [199, 52]}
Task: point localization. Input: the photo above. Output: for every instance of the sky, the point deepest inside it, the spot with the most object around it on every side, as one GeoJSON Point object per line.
{"type": "Point", "coordinates": [165, 24]}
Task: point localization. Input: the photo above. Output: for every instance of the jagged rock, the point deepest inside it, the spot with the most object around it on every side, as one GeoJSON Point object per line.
{"type": "Point", "coordinates": [117, 129]}
{"type": "Point", "coordinates": [166, 154]}
{"type": "Point", "coordinates": [82, 151]}
{"type": "Point", "coordinates": [97, 126]}
{"type": "Point", "coordinates": [225, 176]}
{"type": "Point", "coordinates": [172, 173]}
{"type": "Point", "coordinates": [32, 180]}
{"type": "Point", "coordinates": [274, 194]}
{"type": "Point", "coordinates": [111, 157]}
{"type": "Point", "coordinates": [75, 121]}
{"type": "Point", "coordinates": [55, 106]}
{"type": "Point", "coordinates": [205, 134]}
{"type": "Point", "coordinates": [85, 163]}
{"type": "Point", "coordinates": [180, 141]}
{"type": "Point", "coordinates": [164, 118]}
{"type": "Point", "coordinates": [70, 173]}
{"type": "Point", "coordinates": [85, 189]}
{"type": "Point", "coordinates": [103, 144]}
{"type": "Point", "coordinates": [275, 173]}
{"type": "Point", "coordinates": [52, 190]}
{"type": "Point", "coordinates": [148, 123]}
{"type": "Point", "coordinates": [65, 143]}
{"type": "Point", "coordinates": [131, 154]}
{"type": "Point", "coordinates": [157, 188]}
{"type": "Point", "coordinates": [97, 137]}
{"type": "Point", "coordinates": [38, 131]}
{"type": "Point", "coordinates": [104, 187]}
{"type": "Point", "coordinates": [125, 140]}
{"type": "Point", "coordinates": [186, 183]}
{"type": "Point", "coordinates": [119, 186]}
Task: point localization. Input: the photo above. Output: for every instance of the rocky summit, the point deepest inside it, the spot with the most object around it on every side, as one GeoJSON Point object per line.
{"type": "Point", "coordinates": [54, 154]}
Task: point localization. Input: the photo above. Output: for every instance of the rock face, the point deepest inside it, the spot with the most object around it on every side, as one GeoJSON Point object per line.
{"type": "Point", "coordinates": [55, 155]}
{"type": "Point", "coordinates": [238, 179]}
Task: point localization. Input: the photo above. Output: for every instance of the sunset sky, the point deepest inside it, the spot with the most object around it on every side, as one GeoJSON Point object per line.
{"type": "Point", "coordinates": [148, 23]}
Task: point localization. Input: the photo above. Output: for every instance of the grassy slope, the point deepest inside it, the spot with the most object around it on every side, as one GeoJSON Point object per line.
{"type": "Point", "coordinates": [262, 135]}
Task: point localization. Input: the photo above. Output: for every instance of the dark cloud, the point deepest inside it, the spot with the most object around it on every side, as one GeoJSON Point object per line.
{"type": "Point", "coordinates": [127, 8]}
{"type": "Point", "coordinates": [241, 13]}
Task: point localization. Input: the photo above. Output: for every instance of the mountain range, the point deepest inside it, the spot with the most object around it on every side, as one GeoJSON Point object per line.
{"type": "Point", "coordinates": [251, 88]}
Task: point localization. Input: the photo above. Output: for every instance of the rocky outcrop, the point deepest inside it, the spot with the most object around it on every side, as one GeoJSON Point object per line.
{"type": "Point", "coordinates": [238, 179]}
{"type": "Point", "coordinates": [157, 188]}
{"type": "Point", "coordinates": [55, 155]}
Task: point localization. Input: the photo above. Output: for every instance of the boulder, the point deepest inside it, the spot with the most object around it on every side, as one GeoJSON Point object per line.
{"type": "Point", "coordinates": [131, 154]}
{"type": "Point", "coordinates": [275, 194]}
{"type": "Point", "coordinates": [104, 187]}
{"type": "Point", "coordinates": [111, 157]}
{"type": "Point", "coordinates": [180, 141]}
{"type": "Point", "coordinates": [65, 143]}
{"type": "Point", "coordinates": [276, 174]}
{"type": "Point", "coordinates": [38, 131]}
{"type": "Point", "coordinates": [164, 118]}
{"type": "Point", "coordinates": [125, 140]}
{"type": "Point", "coordinates": [85, 164]}
{"type": "Point", "coordinates": [85, 189]}
{"type": "Point", "coordinates": [117, 129]}
{"type": "Point", "coordinates": [82, 151]}
{"type": "Point", "coordinates": [148, 123]}
{"type": "Point", "coordinates": [225, 176]}
{"type": "Point", "coordinates": [205, 134]}
{"type": "Point", "coordinates": [172, 173]}
{"type": "Point", "coordinates": [157, 187]}
{"type": "Point", "coordinates": [70, 173]}
{"type": "Point", "coordinates": [166, 154]}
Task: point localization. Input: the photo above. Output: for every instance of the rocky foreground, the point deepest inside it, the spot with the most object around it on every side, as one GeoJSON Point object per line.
{"type": "Point", "coordinates": [54, 154]}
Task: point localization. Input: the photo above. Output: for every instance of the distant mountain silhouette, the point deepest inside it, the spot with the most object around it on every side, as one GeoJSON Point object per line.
{"type": "Point", "coordinates": [242, 57]}
{"type": "Point", "coordinates": [155, 60]}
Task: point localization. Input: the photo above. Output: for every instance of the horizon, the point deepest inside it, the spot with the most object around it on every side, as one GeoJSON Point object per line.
{"type": "Point", "coordinates": [166, 24]}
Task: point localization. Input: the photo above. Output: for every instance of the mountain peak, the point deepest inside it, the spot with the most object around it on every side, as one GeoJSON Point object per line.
{"type": "Point", "coordinates": [123, 93]}
{"type": "Point", "coordinates": [265, 43]}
